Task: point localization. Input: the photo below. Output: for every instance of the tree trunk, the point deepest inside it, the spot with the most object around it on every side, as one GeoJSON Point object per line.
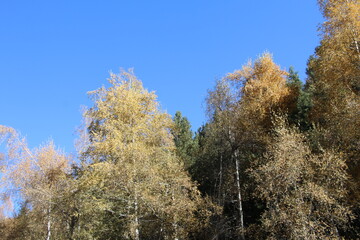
{"type": "Point", "coordinates": [136, 220]}
{"type": "Point", "coordinates": [175, 231]}
{"type": "Point", "coordinates": [71, 226]}
{"type": "Point", "coordinates": [241, 214]}
{"type": "Point", "coordinates": [220, 181]}
{"type": "Point", "coordinates": [235, 155]}
{"type": "Point", "coordinates": [175, 225]}
{"type": "Point", "coordinates": [48, 225]}
{"type": "Point", "coordinates": [136, 203]}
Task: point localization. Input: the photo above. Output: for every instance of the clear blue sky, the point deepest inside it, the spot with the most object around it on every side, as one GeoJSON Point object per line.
{"type": "Point", "coordinates": [53, 52]}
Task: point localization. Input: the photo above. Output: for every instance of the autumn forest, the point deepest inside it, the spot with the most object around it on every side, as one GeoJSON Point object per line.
{"type": "Point", "coordinates": [278, 158]}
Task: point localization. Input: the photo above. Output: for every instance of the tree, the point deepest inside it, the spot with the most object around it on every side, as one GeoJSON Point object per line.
{"type": "Point", "coordinates": [335, 86]}
{"type": "Point", "coordinates": [17, 227]}
{"type": "Point", "coordinates": [41, 178]}
{"type": "Point", "coordinates": [336, 70]}
{"type": "Point", "coordinates": [183, 137]}
{"type": "Point", "coordinates": [134, 176]}
{"type": "Point", "coordinates": [240, 110]}
{"type": "Point", "coordinates": [299, 100]}
{"type": "Point", "coordinates": [304, 192]}
{"type": "Point", "coordinates": [263, 90]}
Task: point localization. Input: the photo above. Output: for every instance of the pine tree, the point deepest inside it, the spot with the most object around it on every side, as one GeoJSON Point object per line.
{"type": "Point", "coordinates": [183, 137]}
{"type": "Point", "coordinates": [299, 101]}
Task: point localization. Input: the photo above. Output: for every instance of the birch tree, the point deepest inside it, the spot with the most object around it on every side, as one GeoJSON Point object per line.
{"type": "Point", "coordinates": [336, 91]}
{"type": "Point", "coordinates": [240, 109]}
{"type": "Point", "coordinates": [336, 87]}
{"type": "Point", "coordinates": [41, 177]}
{"type": "Point", "coordinates": [304, 192]}
{"type": "Point", "coordinates": [134, 174]}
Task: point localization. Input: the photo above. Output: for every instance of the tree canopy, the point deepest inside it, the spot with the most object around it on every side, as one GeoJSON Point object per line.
{"type": "Point", "coordinates": [278, 157]}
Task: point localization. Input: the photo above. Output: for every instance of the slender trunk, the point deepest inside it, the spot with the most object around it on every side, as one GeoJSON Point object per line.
{"type": "Point", "coordinates": [136, 209]}
{"type": "Point", "coordinates": [238, 185]}
{"type": "Point", "coordinates": [136, 203]}
{"type": "Point", "coordinates": [241, 213]}
{"type": "Point", "coordinates": [48, 225]}
{"type": "Point", "coordinates": [357, 47]}
{"type": "Point", "coordinates": [136, 220]}
{"type": "Point", "coordinates": [175, 225]}
{"type": "Point", "coordinates": [220, 180]}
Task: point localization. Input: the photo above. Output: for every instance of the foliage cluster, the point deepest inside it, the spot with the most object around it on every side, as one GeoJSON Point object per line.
{"type": "Point", "coordinates": [277, 159]}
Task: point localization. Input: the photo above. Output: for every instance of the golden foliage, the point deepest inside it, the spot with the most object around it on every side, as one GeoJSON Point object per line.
{"type": "Point", "coordinates": [336, 88]}
{"type": "Point", "coordinates": [134, 171]}
{"type": "Point", "coordinates": [337, 68]}
{"type": "Point", "coordinates": [304, 192]}
{"type": "Point", "coordinates": [264, 86]}
{"type": "Point", "coordinates": [39, 177]}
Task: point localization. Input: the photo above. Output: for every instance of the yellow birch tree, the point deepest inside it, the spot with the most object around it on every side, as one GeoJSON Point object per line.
{"type": "Point", "coordinates": [304, 192]}
{"type": "Point", "coordinates": [134, 174]}
{"type": "Point", "coordinates": [41, 178]}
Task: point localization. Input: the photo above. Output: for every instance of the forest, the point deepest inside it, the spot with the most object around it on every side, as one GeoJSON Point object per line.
{"type": "Point", "coordinates": [278, 158]}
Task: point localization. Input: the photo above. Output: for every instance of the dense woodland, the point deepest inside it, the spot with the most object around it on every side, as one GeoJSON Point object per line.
{"type": "Point", "coordinates": [277, 159]}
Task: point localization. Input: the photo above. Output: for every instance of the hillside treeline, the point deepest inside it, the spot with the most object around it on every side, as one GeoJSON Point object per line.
{"type": "Point", "coordinates": [276, 159]}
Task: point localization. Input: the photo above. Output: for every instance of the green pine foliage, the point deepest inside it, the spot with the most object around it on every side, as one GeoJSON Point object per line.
{"type": "Point", "coordinates": [184, 140]}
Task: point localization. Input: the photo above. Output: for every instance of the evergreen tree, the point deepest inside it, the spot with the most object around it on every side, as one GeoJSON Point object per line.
{"type": "Point", "coordinates": [184, 141]}
{"type": "Point", "coordinates": [299, 103]}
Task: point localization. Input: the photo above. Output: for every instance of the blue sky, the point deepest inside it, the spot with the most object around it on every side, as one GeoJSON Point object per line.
{"type": "Point", "coordinates": [53, 52]}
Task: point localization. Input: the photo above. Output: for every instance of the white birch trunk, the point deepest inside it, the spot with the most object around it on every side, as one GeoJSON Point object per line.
{"type": "Point", "coordinates": [175, 225]}
{"type": "Point", "coordinates": [220, 180]}
{"type": "Point", "coordinates": [48, 225]}
{"type": "Point", "coordinates": [136, 220]}
{"type": "Point", "coordinates": [136, 204]}
{"type": "Point", "coordinates": [238, 186]}
{"type": "Point", "coordinates": [241, 213]}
